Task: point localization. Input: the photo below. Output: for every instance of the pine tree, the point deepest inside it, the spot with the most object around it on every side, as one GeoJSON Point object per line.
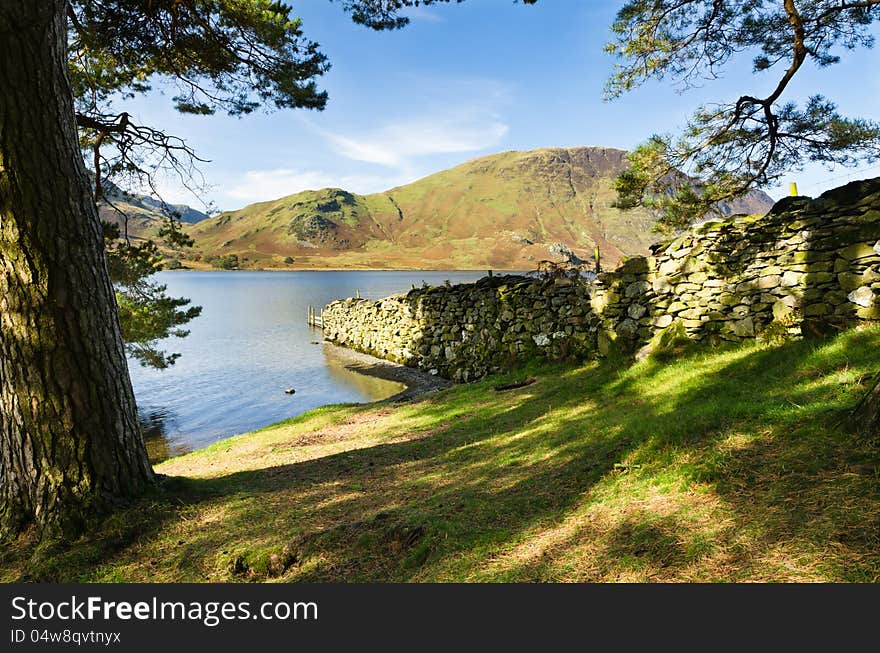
{"type": "Point", "coordinates": [69, 442]}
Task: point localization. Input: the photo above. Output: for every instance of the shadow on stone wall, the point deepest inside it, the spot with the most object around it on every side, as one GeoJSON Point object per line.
{"type": "Point", "coordinates": [808, 267]}
{"type": "Point", "coordinates": [467, 331]}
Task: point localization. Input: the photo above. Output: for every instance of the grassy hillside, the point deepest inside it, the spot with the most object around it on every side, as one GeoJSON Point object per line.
{"type": "Point", "coordinates": [505, 211]}
{"type": "Point", "coordinates": [726, 465]}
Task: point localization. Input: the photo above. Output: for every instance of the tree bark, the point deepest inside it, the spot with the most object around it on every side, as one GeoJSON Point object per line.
{"type": "Point", "coordinates": [69, 441]}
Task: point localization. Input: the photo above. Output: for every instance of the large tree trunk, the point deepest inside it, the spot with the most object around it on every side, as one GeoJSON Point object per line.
{"type": "Point", "coordinates": [69, 440]}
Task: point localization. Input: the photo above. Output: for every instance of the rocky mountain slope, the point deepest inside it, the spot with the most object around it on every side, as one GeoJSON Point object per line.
{"type": "Point", "coordinates": [144, 214]}
{"type": "Point", "coordinates": [504, 211]}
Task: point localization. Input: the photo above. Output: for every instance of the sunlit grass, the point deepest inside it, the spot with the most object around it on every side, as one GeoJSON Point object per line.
{"type": "Point", "coordinates": [723, 465]}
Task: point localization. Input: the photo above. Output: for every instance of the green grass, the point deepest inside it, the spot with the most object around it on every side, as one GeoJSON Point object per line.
{"type": "Point", "coordinates": [726, 465]}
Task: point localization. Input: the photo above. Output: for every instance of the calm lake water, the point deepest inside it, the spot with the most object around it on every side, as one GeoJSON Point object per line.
{"type": "Point", "coordinates": [250, 343]}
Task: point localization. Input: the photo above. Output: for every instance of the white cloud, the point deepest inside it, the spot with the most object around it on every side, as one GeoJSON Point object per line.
{"type": "Point", "coordinates": [423, 15]}
{"type": "Point", "coordinates": [263, 185]}
{"type": "Point", "coordinates": [453, 116]}
{"type": "Point", "coordinates": [395, 145]}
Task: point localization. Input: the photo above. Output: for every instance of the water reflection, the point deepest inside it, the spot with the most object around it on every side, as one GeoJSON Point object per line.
{"type": "Point", "coordinates": [250, 343]}
{"type": "Point", "coordinates": [371, 387]}
{"type": "Point", "coordinates": [156, 426]}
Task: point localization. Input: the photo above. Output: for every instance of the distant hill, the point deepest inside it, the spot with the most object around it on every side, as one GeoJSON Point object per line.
{"type": "Point", "coordinates": [504, 211]}
{"type": "Point", "coordinates": [145, 214]}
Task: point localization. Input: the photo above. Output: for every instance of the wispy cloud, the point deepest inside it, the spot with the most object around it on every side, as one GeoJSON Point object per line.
{"type": "Point", "coordinates": [396, 144]}
{"type": "Point", "coordinates": [262, 185]}
{"type": "Point", "coordinates": [454, 116]}
{"type": "Point", "coordinates": [424, 15]}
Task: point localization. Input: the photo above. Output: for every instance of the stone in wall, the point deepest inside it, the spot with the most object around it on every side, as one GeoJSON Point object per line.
{"type": "Point", "coordinates": [808, 266]}
{"type": "Point", "coordinates": [467, 331]}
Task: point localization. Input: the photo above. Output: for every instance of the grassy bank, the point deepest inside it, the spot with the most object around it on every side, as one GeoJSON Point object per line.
{"type": "Point", "coordinates": [728, 465]}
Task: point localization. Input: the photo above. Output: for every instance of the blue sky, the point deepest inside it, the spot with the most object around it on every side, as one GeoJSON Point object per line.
{"type": "Point", "coordinates": [461, 81]}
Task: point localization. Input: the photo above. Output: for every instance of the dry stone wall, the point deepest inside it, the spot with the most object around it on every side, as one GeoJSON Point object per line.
{"type": "Point", "coordinates": [807, 267]}
{"type": "Point", "coordinates": [466, 331]}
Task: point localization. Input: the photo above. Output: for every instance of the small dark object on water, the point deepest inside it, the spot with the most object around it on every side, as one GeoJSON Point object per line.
{"type": "Point", "coordinates": [315, 342]}
{"type": "Point", "coordinates": [514, 386]}
{"type": "Point", "coordinates": [290, 391]}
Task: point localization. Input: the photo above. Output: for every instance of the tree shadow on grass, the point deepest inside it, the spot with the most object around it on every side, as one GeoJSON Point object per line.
{"type": "Point", "coordinates": [793, 484]}
{"type": "Point", "coordinates": [492, 488]}
{"type": "Point", "coordinates": [764, 432]}
{"type": "Point", "coordinates": [252, 499]}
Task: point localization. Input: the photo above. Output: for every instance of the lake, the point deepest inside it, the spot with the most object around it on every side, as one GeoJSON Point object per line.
{"type": "Point", "coordinates": [251, 342]}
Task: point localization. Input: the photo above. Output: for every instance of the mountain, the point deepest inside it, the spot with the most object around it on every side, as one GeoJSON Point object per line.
{"type": "Point", "coordinates": [145, 214]}
{"type": "Point", "coordinates": [504, 211]}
